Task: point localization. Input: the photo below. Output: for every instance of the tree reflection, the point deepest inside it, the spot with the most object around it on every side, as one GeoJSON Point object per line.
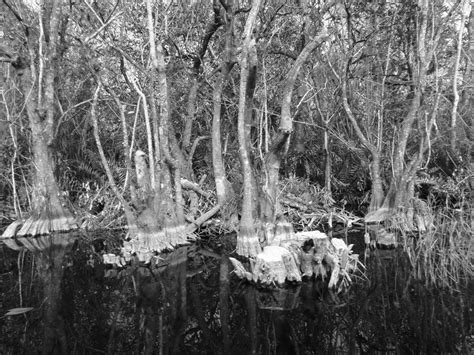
{"type": "Point", "coordinates": [188, 301]}
{"type": "Point", "coordinates": [49, 252]}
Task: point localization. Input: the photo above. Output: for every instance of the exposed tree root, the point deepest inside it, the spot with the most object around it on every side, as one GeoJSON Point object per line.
{"type": "Point", "coordinates": [308, 254]}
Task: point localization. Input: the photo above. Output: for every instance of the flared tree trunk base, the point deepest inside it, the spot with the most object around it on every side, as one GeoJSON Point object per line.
{"type": "Point", "coordinates": [147, 243]}
{"type": "Point", "coordinates": [415, 217]}
{"type": "Point", "coordinates": [147, 237]}
{"type": "Point", "coordinates": [49, 220]}
{"type": "Point", "coordinates": [308, 254]}
{"type": "Point", "coordinates": [248, 244]}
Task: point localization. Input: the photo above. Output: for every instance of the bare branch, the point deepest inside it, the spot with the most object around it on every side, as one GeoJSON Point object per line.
{"type": "Point", "coordinates": [103, 27]}
{"type": "Point", "coordinates": [105, 164]}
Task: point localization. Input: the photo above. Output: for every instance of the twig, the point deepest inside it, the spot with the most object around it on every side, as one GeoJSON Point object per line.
{"type": "Point", "coordinates": [104, 25]}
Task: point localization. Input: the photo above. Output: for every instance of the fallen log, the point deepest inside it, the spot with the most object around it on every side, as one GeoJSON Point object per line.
{"type": "Point", "coordinates": [189, 185]}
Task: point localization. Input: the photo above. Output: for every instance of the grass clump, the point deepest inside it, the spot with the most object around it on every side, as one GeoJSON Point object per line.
{"type": "Point", "coordinates": [444, 255]}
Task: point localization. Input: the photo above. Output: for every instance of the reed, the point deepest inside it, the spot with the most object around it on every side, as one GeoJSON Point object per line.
{"type": "Point", "coordinates": [444, 255]}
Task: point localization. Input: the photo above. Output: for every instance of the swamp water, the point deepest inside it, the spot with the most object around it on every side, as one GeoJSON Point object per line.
{"type": "Point", "coordinates": [63, 300]}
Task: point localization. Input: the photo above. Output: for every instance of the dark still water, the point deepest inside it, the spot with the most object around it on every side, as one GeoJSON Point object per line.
{"type": "Point", "coordinates": [191, 303]}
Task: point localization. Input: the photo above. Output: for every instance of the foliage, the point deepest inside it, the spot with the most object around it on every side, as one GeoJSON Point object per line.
{"type": "Point", "coordinates": [373, 26]}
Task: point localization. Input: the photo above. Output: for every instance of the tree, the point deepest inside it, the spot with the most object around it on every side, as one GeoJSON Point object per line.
{"type": "Point", "coordinates": [428, 31]}
{"type": "Point", "coordinates": [467, 105]}
{"type": "Point", "coordinates": [155, 216]}
{"type": "Point", "coordinates": [415, 54]}
{"type": "Point", "coordinates": [171, 118]}
{"type": "Point", "coordinates": [467, 102]}
{"type": "Point", "coordinates": [264, 198]}
{"type": "Point", "coordinates": [36, 68]}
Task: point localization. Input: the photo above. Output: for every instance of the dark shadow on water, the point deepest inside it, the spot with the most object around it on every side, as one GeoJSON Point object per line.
{"type": "Point", "coordinates": [190, 303]}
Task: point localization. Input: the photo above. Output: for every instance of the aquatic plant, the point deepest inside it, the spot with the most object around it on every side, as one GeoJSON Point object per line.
{"type": "Point", "coordinates": [444, 255]}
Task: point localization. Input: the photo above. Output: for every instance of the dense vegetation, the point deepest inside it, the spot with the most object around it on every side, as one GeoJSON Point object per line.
{"type": "Point", "coordinates": [161, 115]}
{"type": "Point", "coordinates": [139, 125]}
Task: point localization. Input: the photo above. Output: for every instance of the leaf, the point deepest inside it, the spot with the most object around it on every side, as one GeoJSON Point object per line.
{"type": "Point", "coordinates": [17, 311]}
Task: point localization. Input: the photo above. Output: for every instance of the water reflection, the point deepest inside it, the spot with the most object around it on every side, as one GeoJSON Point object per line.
{"type": "Point", "coordinates": [48, 254]}
{"type": "Point", "coordinates": [188, 302]}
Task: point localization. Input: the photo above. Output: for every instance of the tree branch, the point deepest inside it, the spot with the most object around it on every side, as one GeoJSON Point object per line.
{"type": "Point", "coordinates": [105, 164]}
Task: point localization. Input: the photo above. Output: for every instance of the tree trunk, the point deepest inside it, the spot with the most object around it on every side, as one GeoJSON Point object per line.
{"type": "Point", "coordinates": [217, 161]}
{"type": "Point", "coordinates": [48, 214]}
{"type": "Point", "coordinates": [467, 102]}
{"type": "Point", "coordinates": [191, 108]}
{"type": "Point", "coordinates": [375, 150]}
{"type": "Point", "coordinates": [278, 149]}
{"type": "Point", "coordinates": [212, 27]}
{"type": "Point", "coordinates": [222, 185]}
{"type": "Point", "coordinates": [164, 219]}
{"type": "Point", "coordinates": [327, 159]}
{"type": "Point", "coordinates": [454, 113]}
{"type": "Point", "coordinates": [247, 240]}
{"type": "Point", "coordinates": [377, 193]}
{"type": "Point", "coordinates": [468, 107]}
{"type": "Point", "coordinates": [397, 196]}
